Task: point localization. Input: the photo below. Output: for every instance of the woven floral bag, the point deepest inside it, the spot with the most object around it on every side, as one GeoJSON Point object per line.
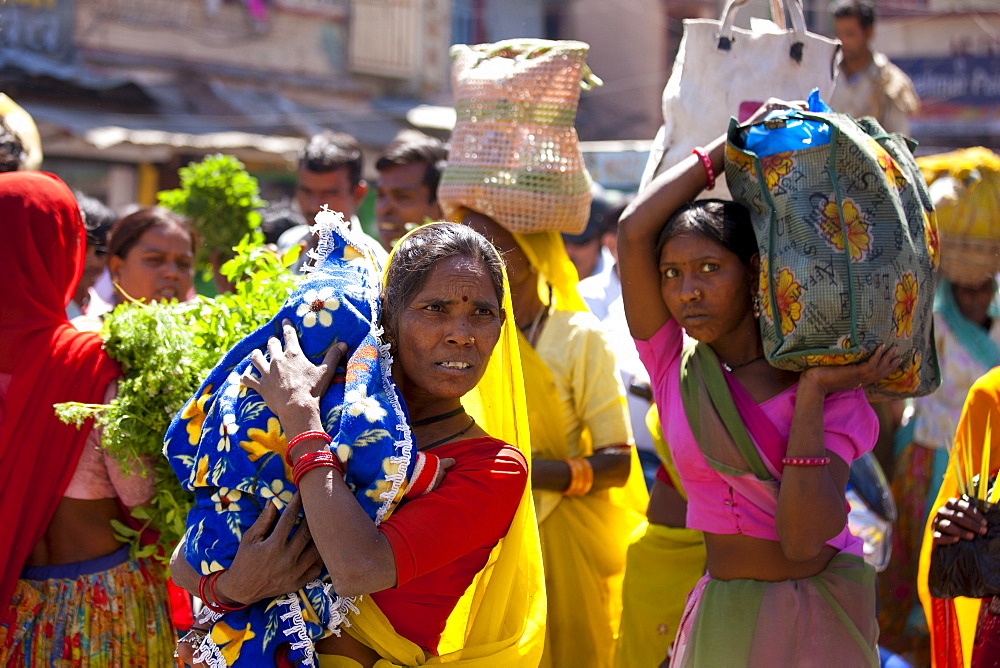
{"type": "Point", "coordinates": [515, 155]}
{"type": "Point", "coordinates": [848, 250]}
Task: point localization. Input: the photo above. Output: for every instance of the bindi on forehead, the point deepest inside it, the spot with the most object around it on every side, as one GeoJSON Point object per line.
{"type": "Point", "coordinates": [465, 298]}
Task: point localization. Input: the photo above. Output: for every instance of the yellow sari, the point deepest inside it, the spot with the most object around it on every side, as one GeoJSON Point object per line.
{"type": "Point", "coordinates": [952, 622]}
{"type": "Point", "coordinates": [663, 565]}
{"type": "Point", "coordinates": [500, 620]}
{"type": "Point", "coordinates": [584, 538]}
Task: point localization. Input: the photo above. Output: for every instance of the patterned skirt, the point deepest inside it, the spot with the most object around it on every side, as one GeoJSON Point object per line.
{"type": "Point", "coordinates": [109, 611]}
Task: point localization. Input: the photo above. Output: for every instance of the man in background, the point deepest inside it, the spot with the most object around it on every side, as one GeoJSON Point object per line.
{"type": "Point", "coordinates": [329, 173]}
{"type": "Point", "coordinates": [868, 84]}
{"type": "Point", "coordinates": [408, 175]}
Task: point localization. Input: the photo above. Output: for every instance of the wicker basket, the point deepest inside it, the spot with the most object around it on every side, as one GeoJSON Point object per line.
{"type": "Point", "coordinates": [515, 155]}
{"type": "Point", "coordinates": [967, 261]}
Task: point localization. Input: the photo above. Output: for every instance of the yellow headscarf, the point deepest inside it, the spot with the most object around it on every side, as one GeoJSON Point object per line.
{"type": "Point", "coordinates": [547, 254]}
{"type": "Point", "coordinates": [500, 620]}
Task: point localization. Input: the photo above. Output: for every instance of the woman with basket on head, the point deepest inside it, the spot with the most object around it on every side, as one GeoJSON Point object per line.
{"type": "Point", "coordinates": [763, 453]}
{"type": "Point", "coordinates": [516, 175]}
{"type": "Point", "coordinates": [965, 185]}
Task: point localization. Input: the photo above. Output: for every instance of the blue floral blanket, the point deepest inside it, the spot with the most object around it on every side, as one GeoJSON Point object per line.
{"type": "Point", "coordinates": [228, 448]}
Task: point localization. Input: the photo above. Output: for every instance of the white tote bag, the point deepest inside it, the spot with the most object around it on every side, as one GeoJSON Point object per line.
{"type": "Point", "coordinates": [720, 67]}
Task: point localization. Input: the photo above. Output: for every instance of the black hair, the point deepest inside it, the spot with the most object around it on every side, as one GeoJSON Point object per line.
{"type": "Point", "coordinates": [426, 150]}
{"type": "Point", "coordinates": [277, 218]}
{"type": "Point", "coordinates": [12, 153]}
{"type": "Point", "coordinates": [862, 10]}
{"type": "Point", "coordinates": [98, 219]}
{"type": "Point", "coordinates": [722, 221]}
{"type": "Point", "coordinates": [127, 231]}
{"type": "Point", "coordinates": [327, 151]}
{"type": "Point", "coordinates": [416, 256]}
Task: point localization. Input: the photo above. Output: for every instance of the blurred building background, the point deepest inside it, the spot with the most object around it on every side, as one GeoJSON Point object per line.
{"type": "Point", "coordinates": [126, 91]}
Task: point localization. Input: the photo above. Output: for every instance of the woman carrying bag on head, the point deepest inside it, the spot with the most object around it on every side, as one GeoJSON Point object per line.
{"type": "Point", "coordinates": [763, 454]}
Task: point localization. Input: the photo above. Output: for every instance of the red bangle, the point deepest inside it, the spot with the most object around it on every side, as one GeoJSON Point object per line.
{"type": "Point", "coordinates": [805, 461]}
{"type": "Point", "coordinates": [425, 472]}
{"type": "Point", "coordinates": [312, 460]}
{"type": "Point", "coordinates": [706, 162]}
{"type": "Point", "coordinates": [303, 436]}
{"type": "Point", "coordinates": [219, 605]}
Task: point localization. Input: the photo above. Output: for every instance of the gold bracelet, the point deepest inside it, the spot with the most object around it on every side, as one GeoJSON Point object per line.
{"type": "Point", "coordinates": [581, 477]}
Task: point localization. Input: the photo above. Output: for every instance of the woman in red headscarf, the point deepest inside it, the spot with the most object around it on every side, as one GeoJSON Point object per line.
{"type": "Point", "coordinates": [69, 592]}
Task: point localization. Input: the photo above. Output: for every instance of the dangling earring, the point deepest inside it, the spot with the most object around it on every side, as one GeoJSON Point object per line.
{"type": "Point", "coordinates": [758, 305]}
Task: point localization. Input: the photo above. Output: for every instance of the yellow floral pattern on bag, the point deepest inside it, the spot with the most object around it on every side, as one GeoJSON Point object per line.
{"type": "Point", "coordinates": [741, 159]}
{"type": "Point", "coordinates": [858, 240]}
{"type": "Point", "coordinates": [775, 166]}
{"type": "Point", "coordinates": [892, 171]}
{"type": "Point", "coordinates": [932, 238]}
{"type": "Point", "coordinates": [836, 359]}
{"type": "Point", "coordinates": [764, 291]}
{"type": "Point", "coordinates": [906, 302]}
{"type": "Point", "coordinates": [787, 293]}
{"type": "Point", "coordinates": [904, 379]}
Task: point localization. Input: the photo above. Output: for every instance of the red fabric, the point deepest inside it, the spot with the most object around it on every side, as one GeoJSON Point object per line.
{"type": "Point", "coordinates": [41, 255]}
{"type": "Point", "coordinates": [442, 539]}
{"type": "Point", "coordinates": [181, 612]}
{"type": "Point", "coordinates": [664, 477]}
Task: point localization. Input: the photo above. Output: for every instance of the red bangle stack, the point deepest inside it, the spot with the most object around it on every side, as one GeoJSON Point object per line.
{"type": "Point", "coordinates": [312, 460]}
{"type": "Point", "coordinates": [707, 164]}
{"type": "Point", "coordinates": [425, 472]}
{"type": "Point", "coordinates": [302, 437]}
{"type": "Point", "coordinates": [210, 598]}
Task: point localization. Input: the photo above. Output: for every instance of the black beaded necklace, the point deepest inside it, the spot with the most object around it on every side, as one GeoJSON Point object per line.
{"type": "Point", "coordinates": [734, 367]}
{"type": "Point", "coordinates": [472, 421]}
{"type": "Point", "coordinates": [438, 418]}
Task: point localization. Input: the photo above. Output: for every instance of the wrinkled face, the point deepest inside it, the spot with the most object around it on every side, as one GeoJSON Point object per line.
{"type": "Point", "coordinates": [159, 266]}
{"type": "Point", "coordinates": [705, 286]}
{"type": "Point", "coordinates": [974, 302]}
{"type": "Point", "coordinates": [446, 334]}
{"type": "Point", "coordinates": [403, 201]}
{"type": "Point", "coordinates": [854, 38]}
{"type": "Point", "coordinates": [332, 188]}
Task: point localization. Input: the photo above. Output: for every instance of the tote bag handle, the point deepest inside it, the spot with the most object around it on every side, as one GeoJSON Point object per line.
{"type": "Point", "coordinates": [794, 7]}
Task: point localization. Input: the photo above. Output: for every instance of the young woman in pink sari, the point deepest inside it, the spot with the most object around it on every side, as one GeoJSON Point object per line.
{"type": "Point", "coordinates": [763, 453]}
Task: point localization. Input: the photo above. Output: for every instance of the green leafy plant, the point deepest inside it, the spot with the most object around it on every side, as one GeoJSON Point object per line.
{"type": "Point", "coordinates": [221, 199]}
{"type": "Point", "coordinates": [166, 350]}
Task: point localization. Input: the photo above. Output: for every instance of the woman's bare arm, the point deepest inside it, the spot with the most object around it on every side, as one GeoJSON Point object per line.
{"type": "Point", "coordinates": [639, 229]}
{"type": "Point", "coordinates": [811, 507]}
{"type": "Point", "coordinates": [268, 562]}
{"type": "Point", "coordinates": [357, 556]}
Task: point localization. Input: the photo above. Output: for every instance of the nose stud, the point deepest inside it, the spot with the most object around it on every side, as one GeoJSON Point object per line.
{"type": "Point", "coordinates": [472, 340]}
{"type": "Point", "coordinates": [697, 293]}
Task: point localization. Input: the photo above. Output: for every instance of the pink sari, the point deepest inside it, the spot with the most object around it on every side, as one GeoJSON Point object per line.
{"type": "Point", "coordinates": [827, 619]}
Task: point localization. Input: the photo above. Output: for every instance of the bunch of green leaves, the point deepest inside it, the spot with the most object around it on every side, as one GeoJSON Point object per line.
{"type": "Point", "coordinates": [166, 350]}
{"type": "Point", "coordinates": [221, 199]}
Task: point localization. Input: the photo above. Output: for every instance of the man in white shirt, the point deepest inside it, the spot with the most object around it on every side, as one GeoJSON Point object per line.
{"type": "Point", "coordinates": [329, 174]}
